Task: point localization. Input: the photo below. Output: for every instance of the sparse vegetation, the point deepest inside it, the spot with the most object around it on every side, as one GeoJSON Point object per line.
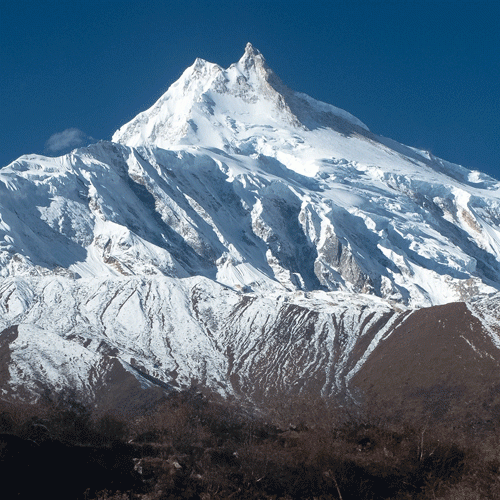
{"type": "Point", "coordinates": [201, 447]}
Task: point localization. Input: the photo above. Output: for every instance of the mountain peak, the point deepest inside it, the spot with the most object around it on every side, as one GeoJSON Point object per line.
{"type": "Point", "coordinates": [251, 51]}
{"type": "Point", "coordinates": [199, 63]}
{"type": "Point", "coordinates": [199, 106]}
{"type": "Point", "coordinates": [251, 58]}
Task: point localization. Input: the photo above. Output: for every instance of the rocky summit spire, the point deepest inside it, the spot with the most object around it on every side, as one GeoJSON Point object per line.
{"type": "Point", "coordinates": [251, 58]}
{"type": "Point", "coordinates": [251, 50]}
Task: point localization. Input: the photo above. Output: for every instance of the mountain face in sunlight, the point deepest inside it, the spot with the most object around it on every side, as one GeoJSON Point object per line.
{"type": "Point", "coordinates": [241, 235]}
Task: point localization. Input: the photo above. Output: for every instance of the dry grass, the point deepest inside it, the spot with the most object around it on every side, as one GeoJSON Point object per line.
{"type": "Point", "coordinates": [194, 446]}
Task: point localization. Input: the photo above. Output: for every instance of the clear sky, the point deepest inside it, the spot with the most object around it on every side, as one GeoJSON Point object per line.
{"type": "Point", "coordinates": [423, 72]}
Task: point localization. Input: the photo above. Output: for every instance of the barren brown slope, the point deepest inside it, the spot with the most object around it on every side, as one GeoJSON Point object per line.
{"type": "Point", "coordinates": [439, 359]}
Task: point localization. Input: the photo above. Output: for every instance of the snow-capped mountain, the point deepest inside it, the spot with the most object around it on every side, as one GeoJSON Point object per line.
{"type": "Point", "coordinates": [237, 233]}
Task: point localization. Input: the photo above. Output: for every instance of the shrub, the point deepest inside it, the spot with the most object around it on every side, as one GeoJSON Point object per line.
{"type": "Point", "coordinates": [194, 446]}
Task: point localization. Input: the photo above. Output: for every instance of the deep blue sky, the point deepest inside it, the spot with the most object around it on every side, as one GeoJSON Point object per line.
{"type": "Point", "coordinates": [425, 73]}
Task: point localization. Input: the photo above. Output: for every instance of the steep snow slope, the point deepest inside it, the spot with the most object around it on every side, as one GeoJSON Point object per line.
{"type": "Point", "coordinates": [237, 232]}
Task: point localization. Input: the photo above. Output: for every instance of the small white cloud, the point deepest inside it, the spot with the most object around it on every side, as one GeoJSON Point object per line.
{"type": "Point", "coordinates": [69, 138]}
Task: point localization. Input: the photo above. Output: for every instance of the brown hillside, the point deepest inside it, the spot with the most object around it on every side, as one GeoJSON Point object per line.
{"type": "Point", "coordinates": [437, 359]}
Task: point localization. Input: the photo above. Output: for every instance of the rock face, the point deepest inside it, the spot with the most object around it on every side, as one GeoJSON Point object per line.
{"type": "Point", "coordinates": [238, 234]}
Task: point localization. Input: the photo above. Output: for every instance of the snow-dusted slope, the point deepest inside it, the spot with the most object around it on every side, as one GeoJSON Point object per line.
{"type": "Point", "coordinates": [239, 187]}
{"type": "Point", "coordinates": [96, 336]}
{"type": "Point", "coordinates": [180, 331]}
